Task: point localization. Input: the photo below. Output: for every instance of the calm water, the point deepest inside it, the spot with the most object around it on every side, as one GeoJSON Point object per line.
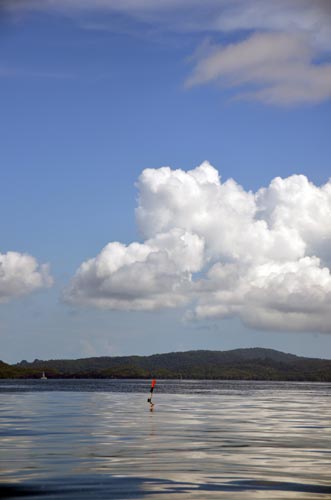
{"type": "Point", "coordinates": [205, 440]}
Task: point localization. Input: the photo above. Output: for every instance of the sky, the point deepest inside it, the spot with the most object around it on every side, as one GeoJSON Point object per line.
{"type": "Point", "coordinates": [165, 177]}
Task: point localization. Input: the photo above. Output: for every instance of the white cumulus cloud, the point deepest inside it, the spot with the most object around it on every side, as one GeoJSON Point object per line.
{"type": "Point", "coordinates": [294, 295]}
{"type": "Point", "coordinates": [222, 251]}
{"type": "Point", "coordinates": [20, 274]}
{"type": "Point", "coordinates": [155, 274]}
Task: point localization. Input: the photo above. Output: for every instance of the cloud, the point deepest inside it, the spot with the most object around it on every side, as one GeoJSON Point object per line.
{"type": "Point", "coordinates": [275, 68]}
{"type": "Point", "coordinates": [210, 15]}
{"type": "Point", "coordinates": [274, 295]}
{"type": "Point", "coordinates": [282, 56]}
{"type": "Point", "coordinates": [279, 55]}
{"type": "Point", "coordinates": [284, 16]}
{"type": "Point", "coordinates": [221, 251]}
{"type": "Point", "coordinates": [152, 275]}
{"type": "Point", "coordinates": [20, 274]}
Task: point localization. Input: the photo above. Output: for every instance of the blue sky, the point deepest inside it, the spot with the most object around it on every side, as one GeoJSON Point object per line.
{"type": "Point", "coordinates": [93, 94]}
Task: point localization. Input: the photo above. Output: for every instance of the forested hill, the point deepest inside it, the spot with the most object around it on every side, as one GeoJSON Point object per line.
{"type": "Point", "coordinates": [246, 364]}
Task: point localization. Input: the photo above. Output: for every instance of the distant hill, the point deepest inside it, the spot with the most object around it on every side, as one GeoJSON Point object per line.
{"type": "Point", "coordinates": [246, 364]}
{"type": "Point", "coordinates": [6, 371]}
{"type": "Point", "coordinates": [14, 371]}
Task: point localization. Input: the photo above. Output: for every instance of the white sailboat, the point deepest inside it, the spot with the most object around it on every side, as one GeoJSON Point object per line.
{"type": "Point", "coordinates": [43, 377]}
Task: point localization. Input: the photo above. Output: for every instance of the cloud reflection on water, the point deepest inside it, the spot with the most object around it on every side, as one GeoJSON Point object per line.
{"type": "Point", "coordinates": [238, 440]}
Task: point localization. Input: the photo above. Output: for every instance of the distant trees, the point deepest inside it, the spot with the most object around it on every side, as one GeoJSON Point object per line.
{"type": "Point", "coordinates": [238, 364]}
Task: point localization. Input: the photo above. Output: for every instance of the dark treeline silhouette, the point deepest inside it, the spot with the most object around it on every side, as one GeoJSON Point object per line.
{"type": "Point", "coordinates": [238, 364]}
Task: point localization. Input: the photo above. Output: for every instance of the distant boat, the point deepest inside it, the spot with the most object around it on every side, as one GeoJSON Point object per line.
{"type": "Point", "coordinates": [43, 377]}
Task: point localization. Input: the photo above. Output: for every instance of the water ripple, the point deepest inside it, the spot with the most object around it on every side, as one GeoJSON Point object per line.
{"type": "Point", "coordinates": [204, 440]}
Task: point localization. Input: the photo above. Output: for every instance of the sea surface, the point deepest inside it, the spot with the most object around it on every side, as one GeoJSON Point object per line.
{"type": "Point", "coordinates": [98, 439]}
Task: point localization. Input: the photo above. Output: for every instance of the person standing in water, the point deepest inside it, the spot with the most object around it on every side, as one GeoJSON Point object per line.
{"type": "Point", "coordinates": [149, 400]}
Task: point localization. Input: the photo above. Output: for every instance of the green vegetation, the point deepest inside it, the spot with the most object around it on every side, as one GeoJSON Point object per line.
{"type": "Point", "coordinates": [238, 364]}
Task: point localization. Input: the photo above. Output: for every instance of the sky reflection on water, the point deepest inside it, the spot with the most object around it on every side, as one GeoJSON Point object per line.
{"type": "Point", "coordinates": [204, 440]}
